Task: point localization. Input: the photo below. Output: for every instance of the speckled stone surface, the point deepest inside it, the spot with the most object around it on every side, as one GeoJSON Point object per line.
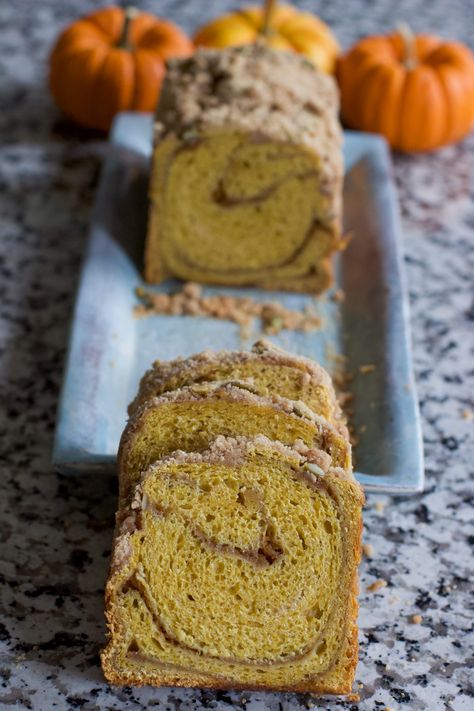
{"type": "Point", "coordinates": [56, 533]}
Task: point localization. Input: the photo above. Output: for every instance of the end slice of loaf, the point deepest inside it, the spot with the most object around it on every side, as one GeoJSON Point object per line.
{"type": "Point", "coordinates": [190, 418]}
{"type": "Point", "coordinates": [237, 568]}
{"type": "Point", "coordinates": [247, 172]}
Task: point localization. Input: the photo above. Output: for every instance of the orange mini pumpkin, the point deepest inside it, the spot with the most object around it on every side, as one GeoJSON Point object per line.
{"type": "Point", "coordinates": [416, 91]}
{"type": "Point", "coordinates": [112, 60]}
{"type": "Point", "coordinates": [280, 26]}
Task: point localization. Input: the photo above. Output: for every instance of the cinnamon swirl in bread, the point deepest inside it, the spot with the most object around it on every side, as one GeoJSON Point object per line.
{"type": "Point", "coordinates": [247, 171]}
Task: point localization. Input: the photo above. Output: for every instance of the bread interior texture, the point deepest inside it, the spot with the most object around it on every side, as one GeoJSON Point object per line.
{"type": "Point", "coordinates": [237, 571]}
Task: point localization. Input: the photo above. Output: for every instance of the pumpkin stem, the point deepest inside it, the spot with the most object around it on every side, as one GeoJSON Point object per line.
{"type": "Point", "coordinates": [269, 8]}
{"type": "Point", "coordinates": [130, 14]}
{"type": "Point", "coordinates": [410, 58]}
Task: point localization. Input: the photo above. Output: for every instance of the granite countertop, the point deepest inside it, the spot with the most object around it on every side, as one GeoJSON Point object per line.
{"type": "Point", "coordinates": [56, 532]}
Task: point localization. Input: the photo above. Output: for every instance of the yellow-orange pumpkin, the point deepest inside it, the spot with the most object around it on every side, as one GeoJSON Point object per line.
{"type": "Point", "coordinates": [416, 91]}
{"type": "Point", "coordinates": [112, 60]}
{"type": "Point", "coordinates": [287, 29]}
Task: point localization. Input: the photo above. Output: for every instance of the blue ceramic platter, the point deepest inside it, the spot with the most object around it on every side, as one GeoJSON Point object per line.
{"type": "Point", "coordinates": [110, 349]}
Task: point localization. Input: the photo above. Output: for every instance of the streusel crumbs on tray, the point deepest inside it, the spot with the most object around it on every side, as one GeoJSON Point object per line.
{"type": "Point", "coordinates": [273, 317]}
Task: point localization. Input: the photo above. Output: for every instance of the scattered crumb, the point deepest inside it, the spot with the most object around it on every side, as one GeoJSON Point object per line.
{"type": "Point", "coordinates": [368, 550]}
{"type": "Point", "coordinates": [380, 506]}
{"type": "Point", "coordinates": [369, 368]}
{"type": "Point", "coordinates": [242, 310]}
{"type": "Point", "coordinates": [360, 685]}
{"type": "Point", "coordinates": [276, 317]}
{"type": "Point", "coordinates": [345, 239]}
{"type": "Point", "coordinates": [353, 697]}
{"type": "Point", "coordinates": [339, 296]}
{"type": "Point", "coordinates": [342, 380]}
{"type": "Point", "coordinates": [393, 600]}
{"type": "Point", "coordinates": [380, 583]}
{"type": "Point", "coordinates": [246, 331]}
{"type": "Point", "coordinates": [467, 414]}
{"type": "Point", "coordinates": [387, 708]}
{"type": "Point", "coordinates": [387, 667]}
{"type": "Point", "coordinates": [415, 619]}
{"type": "Point", "coordinates": [362, 429]}
{"type": "Point", "coordinates": [344, 397]}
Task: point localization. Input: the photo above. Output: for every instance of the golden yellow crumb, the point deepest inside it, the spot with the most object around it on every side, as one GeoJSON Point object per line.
{"type": "Point", "coordinates": [467, 414]}
{"type": "Point", "coordinates": [245, 332]}
{"type": "Point", "coordinates": [368, 550]}
{"type": "Point", "coordinates": [339, 296]}
{"type": "Point", "coordinates": [379, 506]}
{"type": "Point", "coordinates": [376, 585]}
{"type": "Point", "coordinates": [369, 368]}
{"type": "Point", "coordinates": [415, 619]}
{"type": "Point", "coordinates": [355, 698]}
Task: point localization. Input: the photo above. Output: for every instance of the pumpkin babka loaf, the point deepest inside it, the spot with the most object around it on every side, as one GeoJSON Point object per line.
{"type": "Point", "coordinates": [193, 416]}
{"type": "Point", "coordinates": [247, 171]}
{"type": "Point", "coordinates": [270, 369]}
{"type": "Point", "coordinates": [237, 568]}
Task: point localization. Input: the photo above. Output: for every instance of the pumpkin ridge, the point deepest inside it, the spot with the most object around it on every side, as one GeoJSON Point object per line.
{"type": "Point", "coordinates": [141, 97]}
{"type": "Point", "coordinates": [242, 14]}
{"type": "Point", "coordinates": [395, 83]}
{"type": "Point", "coordinates": [450, 74]}
{"type": "Point", "coordinates": [90, 26]}
{"type": "Point", "coordinates": [69, 62]}
{"type": "Point", "coordinates": [109, 21]}
{"type": "Point", "coordinates": [441, 112]}
{"type": "Point", "coordinates": [363, 63]}
{"type": "Point", "coordinates": [98, 103]}
{"type": "Point", "coordinates": [290, 29]}
{"type": "Point", "coordinates": [370, 107]}
{"type": "Point", "coordinates": [142, 24]}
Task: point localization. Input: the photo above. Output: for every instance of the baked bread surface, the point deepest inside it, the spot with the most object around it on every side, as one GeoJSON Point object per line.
{"type": "Point", "coordinates": [270, 371]}
{"type": "Point", "coordinates": [247, 171]}
{"type": "Point", "coordinates": [190, 418]}
{"type": "Point", "coordinates": [236, 568]}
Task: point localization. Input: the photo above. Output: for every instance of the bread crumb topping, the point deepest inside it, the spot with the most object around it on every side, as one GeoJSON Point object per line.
{"type": "Point", "coordinates": [242, 310]}
{"type": "Point", "coordinates": [369, 368]}
{"type": "Point", "coordinates": [377, 585]}
{"type": "Point", "coordinates": [368, 550]}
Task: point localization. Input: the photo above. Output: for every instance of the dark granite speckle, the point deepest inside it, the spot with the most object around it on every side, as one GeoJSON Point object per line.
{"type": "Point", "coordinates": [56, 533]}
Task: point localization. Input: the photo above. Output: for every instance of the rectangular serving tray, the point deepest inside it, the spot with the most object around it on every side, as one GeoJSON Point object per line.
{"type": "Point", "coordinates": [110, 348]}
